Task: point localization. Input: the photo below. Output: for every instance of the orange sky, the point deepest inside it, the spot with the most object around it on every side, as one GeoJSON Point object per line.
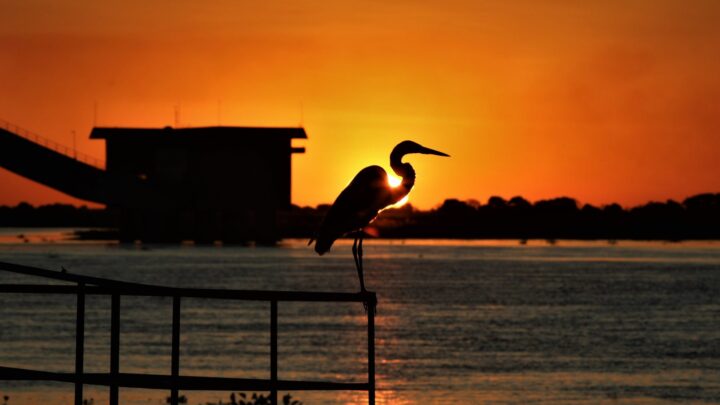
{"type": "Point", "coordinates": [603, 101]}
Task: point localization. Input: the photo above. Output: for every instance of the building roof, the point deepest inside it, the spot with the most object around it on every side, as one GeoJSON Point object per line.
{"type": "Point", "coordinates": [229, 132]}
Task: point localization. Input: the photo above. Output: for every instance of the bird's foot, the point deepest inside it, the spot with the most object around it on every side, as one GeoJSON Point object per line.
{"type": "Point", "coordinates": [366, 304]}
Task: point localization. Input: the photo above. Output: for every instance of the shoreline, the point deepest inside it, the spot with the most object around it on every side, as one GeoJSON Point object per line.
{"type": "Point", "coordinates": [65, 235]}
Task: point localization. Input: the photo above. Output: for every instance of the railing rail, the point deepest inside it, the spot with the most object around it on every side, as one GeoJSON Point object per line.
{"type": "Point", "coordinates": [52, 145]}
{"type": "Point", "coordinates": [175, 382]}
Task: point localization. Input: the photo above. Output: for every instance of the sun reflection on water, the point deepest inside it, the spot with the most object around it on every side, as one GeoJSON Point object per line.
{"type": "Point", "coordinates": [385, 397]}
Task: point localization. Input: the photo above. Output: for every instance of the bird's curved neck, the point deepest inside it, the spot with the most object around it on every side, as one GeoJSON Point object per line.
{"type": "Point", "coordinates": [404, 170]}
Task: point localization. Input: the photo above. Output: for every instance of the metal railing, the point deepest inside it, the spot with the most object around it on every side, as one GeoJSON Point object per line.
{"type": "Point", "coordinates": [86, 285]}
{"type": "Point", "coordinates": [52, 145]}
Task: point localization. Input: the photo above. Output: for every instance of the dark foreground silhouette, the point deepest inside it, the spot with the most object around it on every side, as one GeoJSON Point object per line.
{"type": "Point", "coordinates": [116, 380]}
{"type": "Point", "coordinates": [696, 217]}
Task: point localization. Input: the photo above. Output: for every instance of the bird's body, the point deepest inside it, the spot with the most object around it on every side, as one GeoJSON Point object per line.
{"type": "Point", "coordinates": [363, 199]}
{"type": "Point", "coordinates": [358, 205]}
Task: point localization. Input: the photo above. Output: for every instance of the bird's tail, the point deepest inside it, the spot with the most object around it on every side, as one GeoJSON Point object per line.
{"type": "Point", "coordinates": [323, 245]}
{"type": "Point", "coordinates": [323, 240]}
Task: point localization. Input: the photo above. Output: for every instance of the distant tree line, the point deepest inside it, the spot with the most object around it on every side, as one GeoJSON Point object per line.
{"type": "Point", "coordinates": [53, 215]}
{"type": "Point", "coordinates": [696, 217]}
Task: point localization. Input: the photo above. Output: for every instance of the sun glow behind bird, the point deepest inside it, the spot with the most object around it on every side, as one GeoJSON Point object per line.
{"type": "Point", "coordinates": [395, 181]}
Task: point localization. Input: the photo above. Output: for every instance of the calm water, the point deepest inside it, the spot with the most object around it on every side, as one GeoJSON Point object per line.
{"type": "Point", "coordinates": [458, 322]}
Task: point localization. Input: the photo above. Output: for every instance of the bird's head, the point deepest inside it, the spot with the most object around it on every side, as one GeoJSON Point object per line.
{"type": "Point", "coordinates": [408, 147]}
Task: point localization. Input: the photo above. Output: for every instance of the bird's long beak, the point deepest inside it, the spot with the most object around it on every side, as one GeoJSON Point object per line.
{"type": "Point", "coordinates": [428, 151]}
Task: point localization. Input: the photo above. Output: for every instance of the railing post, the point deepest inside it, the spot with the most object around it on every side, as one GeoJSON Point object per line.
{"type": "Point", "coordinates": [79, 343]}
{"type": "Point", "coordinates": [114, 348]}
{"type": "Point", "coordinates": [371, 351]}
{"type": "Point", "coordinates": [273, 352]}
{"type": "Point", "coordinates": [174, 398]}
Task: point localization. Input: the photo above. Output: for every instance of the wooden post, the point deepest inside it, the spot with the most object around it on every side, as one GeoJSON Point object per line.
{"type": "Point", "coordinates": [273, 352]}
{"type": "Point", "coordinates": [371, 351]}
{"type": "Point", "coordinates": [114, 348]}
{"type": "Point", "coordinates": [79, 343]}
{"type": "Point", "coordinates": [174, 398]}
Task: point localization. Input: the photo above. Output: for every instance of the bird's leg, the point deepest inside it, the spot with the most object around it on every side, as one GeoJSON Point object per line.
{"type": "Point", "coordinates": [355, 256]}
{"type": "Point", "coordinates": [360, 269]}
{"type": "Point", "coordinates": [362, 279]}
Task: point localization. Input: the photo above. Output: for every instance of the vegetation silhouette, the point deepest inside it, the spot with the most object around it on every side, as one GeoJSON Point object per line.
{"type": "Point", "coordinates": [53, 215]}
{"type": "Point", "coordinates": [696, 217]}
{"type": "Point", "coordinates": [245, 399]}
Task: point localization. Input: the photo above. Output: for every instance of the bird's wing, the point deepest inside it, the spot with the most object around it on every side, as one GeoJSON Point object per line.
{"type": "Point", "coordinates": [356, 206]}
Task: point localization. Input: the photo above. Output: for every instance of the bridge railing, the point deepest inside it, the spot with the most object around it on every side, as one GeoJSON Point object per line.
{"type": "Point", "coordinates": [52, 145]}
{"type": "Point", "coordinates": [174, 382]}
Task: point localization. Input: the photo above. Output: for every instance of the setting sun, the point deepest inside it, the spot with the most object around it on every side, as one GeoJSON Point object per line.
{"type": "Point", "coordinates": [394, 181]}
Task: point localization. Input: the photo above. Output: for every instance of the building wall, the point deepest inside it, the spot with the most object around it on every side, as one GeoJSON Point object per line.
{"type": "Point", "coordinates": [202, 188]}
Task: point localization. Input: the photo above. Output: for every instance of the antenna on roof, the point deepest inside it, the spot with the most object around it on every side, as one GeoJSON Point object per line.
{"type": "Point", "coordinates": [177, 115]}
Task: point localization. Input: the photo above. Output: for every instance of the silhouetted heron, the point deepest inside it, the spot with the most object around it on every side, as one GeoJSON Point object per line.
{"type": "Point", "coordinates": [361, 201]}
